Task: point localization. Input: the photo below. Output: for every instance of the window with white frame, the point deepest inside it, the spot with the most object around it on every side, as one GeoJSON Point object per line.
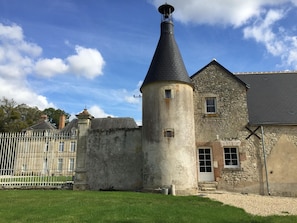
{"type": "Point", "coordinates": [71, 164]}
{"type": "Point", "coordinates": [61, 147]}
{"type": "Point", "coordinates": [231, 159]}
{"type": "Point", "coordinates": [60, 165]}
{"type": "Point", "coordinates": [72, 146]}
{"type": "Point", "coordinates": [211, 105]}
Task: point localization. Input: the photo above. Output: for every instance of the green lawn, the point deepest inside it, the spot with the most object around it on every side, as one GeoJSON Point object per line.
{"type": "Point", "coordinates": [92, 206]}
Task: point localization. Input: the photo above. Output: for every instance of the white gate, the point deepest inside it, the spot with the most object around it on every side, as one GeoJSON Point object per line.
{"type": "Point", "coordinates": [37, 160]}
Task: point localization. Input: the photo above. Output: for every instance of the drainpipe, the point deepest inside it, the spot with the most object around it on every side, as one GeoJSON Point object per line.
{"type": "Point", "coordinates": [264, 155]}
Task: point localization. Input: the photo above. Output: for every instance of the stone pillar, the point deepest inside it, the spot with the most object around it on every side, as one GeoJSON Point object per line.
{"type": "Point", "coordinates": [84, 123]}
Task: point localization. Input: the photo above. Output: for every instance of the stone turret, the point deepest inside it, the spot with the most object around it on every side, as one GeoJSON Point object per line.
{"type": "Point", "coordinates": [168, 137]}
{"type": "Point", "coordinates": [84, 123]}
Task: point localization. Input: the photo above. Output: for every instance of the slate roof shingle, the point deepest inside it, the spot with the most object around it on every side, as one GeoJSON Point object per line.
{"type": "Point", "coordinates": [167, 63]}
{"type": "Point", "coordinates": [272, 97]}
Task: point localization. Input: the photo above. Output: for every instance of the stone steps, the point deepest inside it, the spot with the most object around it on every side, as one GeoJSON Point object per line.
{"type": "Point", "coordinates": [207, 186]}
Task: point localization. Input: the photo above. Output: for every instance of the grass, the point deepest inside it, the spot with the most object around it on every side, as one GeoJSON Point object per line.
{"type": "Point", "coordinates": [92, 206]}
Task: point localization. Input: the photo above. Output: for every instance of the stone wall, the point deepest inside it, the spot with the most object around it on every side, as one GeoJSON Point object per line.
{"type": "Point", "coordinates": [226, 128]}
{"type": "Point", "coordinates": [114, 159]}
{"type": "Point", "coordinates": [232, 114]}
{"type": "Point", "coordinates": [281, 150]}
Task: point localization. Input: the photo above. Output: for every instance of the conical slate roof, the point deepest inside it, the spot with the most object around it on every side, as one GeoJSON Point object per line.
{"type": "Point", "coordinates": [167, 63]}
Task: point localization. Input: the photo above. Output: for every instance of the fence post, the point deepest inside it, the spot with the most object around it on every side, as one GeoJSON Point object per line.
{"type": "Point", "coordinates": [84, 122]}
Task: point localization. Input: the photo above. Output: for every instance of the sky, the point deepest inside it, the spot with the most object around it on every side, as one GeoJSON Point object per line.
{"type": "Point", "coordinates": [94, 54]}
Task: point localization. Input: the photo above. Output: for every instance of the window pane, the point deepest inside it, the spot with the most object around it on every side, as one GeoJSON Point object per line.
{"type": "Point", "coordinates": [169, 133]}
{"type": "Point", "coordinates": [211, 105]}
{"type": "Point", "coordinates": [72, 147]}
{"type": "Point", "coordinates": [60, 165]}
{"type": "Point", "coordinates": [231, 157]}
{"type": "Point", "coordinates": [211, 109]}
{"type": "Point", "coordinates": [168, 93]}
{"type": "Point", "coordinates": [61, 147]}
{"type": "Point", "coordinates": [234, 156]}
{"type": "Point", "coordinates": [233, 150]}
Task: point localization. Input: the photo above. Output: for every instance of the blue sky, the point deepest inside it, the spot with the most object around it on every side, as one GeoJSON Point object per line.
{"type": "Point", "coordinates": [72, 54]}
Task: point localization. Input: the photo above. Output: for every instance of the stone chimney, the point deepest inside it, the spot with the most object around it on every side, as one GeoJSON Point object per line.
{"type": "Point", "coordinates": [62, 121]}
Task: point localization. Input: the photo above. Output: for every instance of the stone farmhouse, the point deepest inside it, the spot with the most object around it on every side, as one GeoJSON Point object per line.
{"type": "Point", "coordinates": [233, 131]}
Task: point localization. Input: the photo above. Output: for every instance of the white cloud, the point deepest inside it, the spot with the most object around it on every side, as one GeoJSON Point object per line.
{"type": "Point", "coordinates": [98, 112]}
{"type": "Point", "coordinates": [262, 31]}
{"type": "Point", "coordinates": [227, 12]}
{"type": "Point", "coordinates": [259, 19]}
{"type": "Point", "coordinates": [130, 97]}
{"type": "Point", "coordinates": [50, 67]}
{"type": "Point", "coordinates": [21, 93]}
{"type": "Point", "coordinates": [20, 58]}
{"type": "Point", "coordinates": [13, 32]}
{"type": "Point", "coordinates": [87, 62]}
{"type": "Point", "coordinates": [276, 39]}
{"type": "Point", "coordinates": [16, 61]}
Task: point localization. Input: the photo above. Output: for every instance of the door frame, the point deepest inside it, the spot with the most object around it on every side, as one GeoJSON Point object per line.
{"type": "Point", "coordinates": [205, 176]}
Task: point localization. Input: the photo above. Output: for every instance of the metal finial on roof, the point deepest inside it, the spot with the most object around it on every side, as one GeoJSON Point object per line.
{"type": "Point", "coordinates": [166, 10]}
{"type": "Point", "coordinates": [167, 63]}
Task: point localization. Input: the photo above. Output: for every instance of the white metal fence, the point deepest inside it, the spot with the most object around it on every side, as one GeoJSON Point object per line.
{"type": "Point", "coordinates": [37, 160]}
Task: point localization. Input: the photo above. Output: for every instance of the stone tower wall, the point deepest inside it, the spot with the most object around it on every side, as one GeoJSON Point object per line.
{"type": "Point", "coordinates": [168, 140]}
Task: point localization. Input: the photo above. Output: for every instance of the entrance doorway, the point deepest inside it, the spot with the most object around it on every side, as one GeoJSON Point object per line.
{"type": "Point", "coordinates": [205, 168]}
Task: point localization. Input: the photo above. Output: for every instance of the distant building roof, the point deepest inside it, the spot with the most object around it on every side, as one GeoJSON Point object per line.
{"type": "Point", "coordinates": [272, 97]}
{"type": "Point", "coordinates": [104, 124]}
{"type": "Point", "coordinates": [113, 123]}
{"type": "Point", "coordinates": [70, 126]}
{"type": "Point", "coordinates": [41, 126]}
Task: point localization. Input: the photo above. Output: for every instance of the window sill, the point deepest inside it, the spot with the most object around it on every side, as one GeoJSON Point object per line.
{"type": "Point", "coordinates": [211, 115]}
{"type": "Point", "coordinates": [231, 169]}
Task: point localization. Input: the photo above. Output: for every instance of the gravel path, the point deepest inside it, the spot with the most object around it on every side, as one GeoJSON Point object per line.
{"type": "Point", "coordinates": [257, 204]}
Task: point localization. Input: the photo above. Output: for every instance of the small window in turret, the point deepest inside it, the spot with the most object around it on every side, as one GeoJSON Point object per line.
{"type": "Point", "coordinates": [168, 93]}
{"type": "Point", "coordinates": [168, 133]}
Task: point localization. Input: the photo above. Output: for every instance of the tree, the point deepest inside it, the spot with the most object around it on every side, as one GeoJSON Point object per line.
{"type": "Point", "coordinates": [15, 118]}
{"type": "Point", "coordinates": [55, 114]}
